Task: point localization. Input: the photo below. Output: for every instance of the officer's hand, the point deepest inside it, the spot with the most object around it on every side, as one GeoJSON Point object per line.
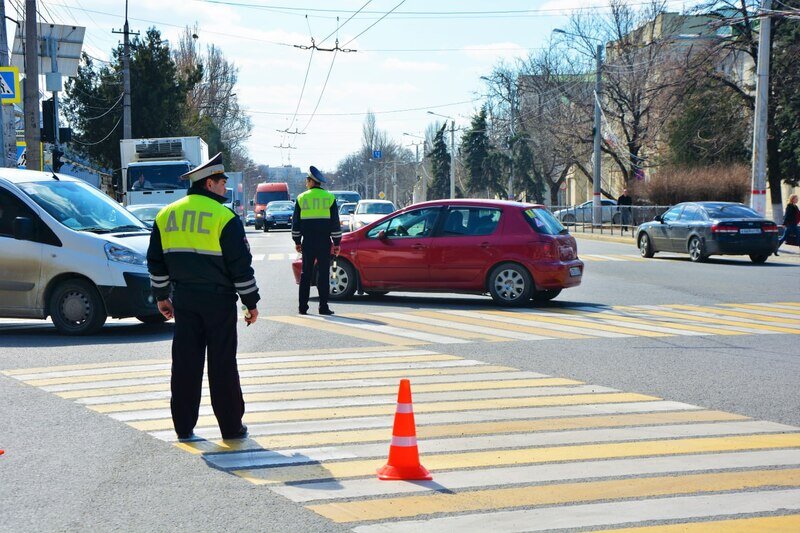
{"type": "Point", "coordinates": [298, 248]}
{"type": "Point", "coordinates": [253, 316]}
{"type": "Point", "coordinates": [336, 250]}
{"type": "Point", "coordinates": [166, 309]}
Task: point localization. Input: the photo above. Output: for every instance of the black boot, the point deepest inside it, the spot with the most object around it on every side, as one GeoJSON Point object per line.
{"type": "Point", "coordinates": [325, 311]}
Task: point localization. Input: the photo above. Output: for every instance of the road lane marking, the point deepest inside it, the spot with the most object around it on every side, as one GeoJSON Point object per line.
{"type": "Point", "coordinates": [399, 320]}
{"type": "Point", "coordinates": [742, 525]}
{"type": "Point", "coordinates": [749, 316]}
{"type": "Point", "coordinates": [658, 325]}
{"type": "Point", "coordinates": [583, 323]}
{"type": "Point", "coordinates": [501, 498]}
{"type": "Point", "coordinates": [602, 514]}
{"type": "Point", "coordinates": [521, 456]}
{"type": "Point", "coordinates": [425, 432]}
{"type": "Point", "coordinates": [517, 475]}
{"type": "Point", "coordinates": [350, 322]}
{"type": "Point", "coordinates": [711, 318]}
{"type": "Point", "coordinates": [276, 257]}
{"type": "Point", "coordinates": [470, 323]}
{"type": "Point", "coordinates": [388, 410]}
{"type": "Point", "coordinates": [333, 328]}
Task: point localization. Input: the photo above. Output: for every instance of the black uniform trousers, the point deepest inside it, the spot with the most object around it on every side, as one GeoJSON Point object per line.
{"type": "Point", "coordinates": [319, 251]}
{"type": "Point", "coordinates": [205, 320]}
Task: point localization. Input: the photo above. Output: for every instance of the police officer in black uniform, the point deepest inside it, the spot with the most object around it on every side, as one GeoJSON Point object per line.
{"type": "Point", "coordinates": [315, 223]}
{"type": "Point", "coordinates": [198, 252]}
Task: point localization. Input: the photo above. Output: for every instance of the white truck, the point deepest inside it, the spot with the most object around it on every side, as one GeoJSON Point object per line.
{"type": "Point", "coordinates": [151, 168]}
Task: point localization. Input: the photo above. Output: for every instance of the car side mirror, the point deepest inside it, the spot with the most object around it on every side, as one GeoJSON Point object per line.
{"type": "Point", "coordinates": [382, 235]}
{"type": "Point", "coordinates": [659, 218]}
{"type": "Point", "coordinates": [24, 229]}
{"type": "Point", "coordinates": [237, 203]}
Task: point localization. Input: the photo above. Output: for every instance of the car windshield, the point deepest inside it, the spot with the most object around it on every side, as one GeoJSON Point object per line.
{"type": "Point", "coordinates": [730, 211]}
{"type": "Point", "coordinates": [81, 207]}
{"type": "Point", "coordinates": [343, 197]}
{"type": "Point", "coordinates": [347, 209]}
{"type": "Point", "coordinates": [280, 206]}
{"type": "Point", "coordinates": [542, 221]}
{"type": "Point", "coordinates": [146, 213]}
{"type": "Point", "coordinates": [374, 208]}
{"type": "Point", "coordinates": [157, 177]}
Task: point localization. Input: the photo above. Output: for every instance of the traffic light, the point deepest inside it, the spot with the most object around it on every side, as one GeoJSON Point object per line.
{"type": "Point", "coordinates": [48, 133]}
{"type": "Point", "coordinates": [57, 163]}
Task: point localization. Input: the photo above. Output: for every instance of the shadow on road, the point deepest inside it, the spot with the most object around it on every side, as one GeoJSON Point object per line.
{"type": "Point", "coordinates": [42, 334]}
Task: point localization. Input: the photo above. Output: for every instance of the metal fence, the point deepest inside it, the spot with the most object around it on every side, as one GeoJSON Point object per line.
{"type": "Point", "coordinates": [615, 220]}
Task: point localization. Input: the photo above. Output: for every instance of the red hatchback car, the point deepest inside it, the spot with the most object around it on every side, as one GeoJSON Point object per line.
{"type": "Point", "coordinates": [513, 251]}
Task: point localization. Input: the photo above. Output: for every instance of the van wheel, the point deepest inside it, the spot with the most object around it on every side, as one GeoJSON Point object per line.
{"type": "Point", "coordinates": [76, 308]}
{"type": "Point", "coordinates": [510, 284]}
{"type": "Point", "coordinates": [151, 319]}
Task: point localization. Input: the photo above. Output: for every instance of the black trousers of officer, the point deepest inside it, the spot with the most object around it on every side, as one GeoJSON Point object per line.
{"type": "Point", "coordinates": [205, 320]}
{"type": "Point", "coordinates": [319, 251]}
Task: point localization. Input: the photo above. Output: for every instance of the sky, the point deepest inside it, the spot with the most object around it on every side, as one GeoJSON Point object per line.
{"type": "Point", "coordinates": [408, 57]}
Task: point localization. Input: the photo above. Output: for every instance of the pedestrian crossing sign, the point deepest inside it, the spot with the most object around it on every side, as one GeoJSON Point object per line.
{"type": "Point", "coordinates": [9, 85]}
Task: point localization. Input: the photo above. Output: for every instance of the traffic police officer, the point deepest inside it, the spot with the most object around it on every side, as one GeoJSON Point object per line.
{"type": "Point", "coordinates": [199, 252]}
{"type": "Point", "coordinates": [315, 223]}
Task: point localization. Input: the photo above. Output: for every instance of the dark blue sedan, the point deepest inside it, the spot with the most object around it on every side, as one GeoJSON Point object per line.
{"type": "Point", "coordinates": [278, 215]}
{"type": "Point", "coordinates": [702, 229]}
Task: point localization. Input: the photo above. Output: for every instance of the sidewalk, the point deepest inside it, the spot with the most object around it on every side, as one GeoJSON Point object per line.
{"type": "Point", "coordinates": [629, 238]}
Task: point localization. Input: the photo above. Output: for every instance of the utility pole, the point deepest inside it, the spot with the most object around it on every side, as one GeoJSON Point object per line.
{"type": "Point", "coordinates": [597, 206]}
{"type": "Point", "coordinates": [394, 183]}
{"type": "Point", "coordinates": [452, 158]}
{"type": "Point", "coordinates": [31, 102]}
{"type": "Point", "coordinates": [127, 128]}
{"type": "Point", "coordinates": [511, 94]}
{"type": "Point", "coordinates": [758, 199]}
{"type": "Point", "coordinates": [7, 134]}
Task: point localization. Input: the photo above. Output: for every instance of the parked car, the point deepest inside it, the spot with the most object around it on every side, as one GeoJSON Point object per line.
{"type": "Point", "coordinates": [71, 253]}
{"type": "Point", "coordinates": [146, 212]}
{"type": "Point", "coordinates": [278, 214]}
{"type": "Point", "coordinates": [513, 251]}
{"type": "Point", "coordinates": [582, 213]}
{"type": "Point", "coordinates": [702, 229]}
{"type": "Point", "coordinates": [250, 219]}
{"type": "Point", "coordinates": [345, 214]}
{"type": "Point", "coordinates": [368, 211]}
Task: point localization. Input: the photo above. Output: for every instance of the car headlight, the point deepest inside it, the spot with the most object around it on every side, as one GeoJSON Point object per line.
{"type": "Point", "coordinates": [268, 216]}
{"type": "Point", "coordinates": [121, 254]}
{"type": "Point", "coordinates": [259, 215]}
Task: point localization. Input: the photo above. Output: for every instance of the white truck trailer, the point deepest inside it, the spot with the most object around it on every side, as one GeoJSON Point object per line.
{"type": "Point", "coordinates": [151, 168]}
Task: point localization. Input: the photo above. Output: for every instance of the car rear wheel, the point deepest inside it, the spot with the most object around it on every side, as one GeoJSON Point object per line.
{"type": "Point", "coordinates": [343, 280]}
{"type": "Point", "coordinates": [759, 258]}
{"type": "Point", "coordinates": [646, 246]}
{"type": "Point", "coordinates": [616, 219]}
{"type": "Point", "coordinates": [510, 284]}
{"type": "Point", "coordinates": [76, 308]}
{"type": "Point", "coordinates": [151, 319]}
{"type": "Point", "coordinates": [568, 219]}
{"type": "Point", "coordinates": [697, 251]}
{"type": "Point", "coordinates": [545, 295]}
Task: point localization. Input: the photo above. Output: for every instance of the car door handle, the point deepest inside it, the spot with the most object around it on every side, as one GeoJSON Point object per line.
{"type": "Point", "coordinates": [418, 246]}
{"type": "Point", "coordinates": [485, 244]}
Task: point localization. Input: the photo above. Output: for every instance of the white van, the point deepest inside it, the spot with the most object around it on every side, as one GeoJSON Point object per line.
{"type": "Point", "coordinates": [70, 252]}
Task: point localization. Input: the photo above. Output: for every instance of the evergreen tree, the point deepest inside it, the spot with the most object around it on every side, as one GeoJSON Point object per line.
{"type": "Point", "coordinates": [476, 146]}
{"type": "Point", "coordinates": [785, 77]}
{"type": "Point", "coordinates": [93, 104]}
{"type": "Point", "coordinates": [440, 167]}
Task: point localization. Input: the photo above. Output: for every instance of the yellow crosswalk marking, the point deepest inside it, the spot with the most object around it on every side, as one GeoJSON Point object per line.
{"type": "Point", "coordinates": [428, 328]}
{"type": "Point", "coordinates": [545, 454]}
{"type": "Point", "coordinates": [350, 392]}
{"type": "Point", "coordinates": [709, 320]}
{"type": "Point", "coordinates": [603, 315]}
{"type": "Point", "coordinates": [644, 487]}
{"type": "Point", "coordinates": [433, 407]}
{"type": "Point", "coordinates": [538, 317]}
{"type": "Point", "coordinates": [762, 524]}
{"type": "Point", "coordinates": [458, 430]}
{"type": "Point", "coordinates": [350, 332]}
{"type": "Point", "coordinates": [500, 326]}
{"type": "Point", "coordinates": [738, 314]}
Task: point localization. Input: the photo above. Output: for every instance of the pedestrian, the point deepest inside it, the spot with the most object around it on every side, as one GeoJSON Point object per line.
{"type": "Point", "coordinates": [624, 203]}
{"type": "Point", "coordinates": [315, 223]}
{"type": "Point", "coordinates": [791, 218]}
{"type": "Point", "coordinates": [199, 253]}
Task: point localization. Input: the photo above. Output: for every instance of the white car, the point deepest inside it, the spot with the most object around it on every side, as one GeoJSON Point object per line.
{"type": "Point", "coordinates": [71, 253]}
{"type": "Point", "coordinates": [345, 214]}
{"type": "Point", "coordinates": [368, 211]}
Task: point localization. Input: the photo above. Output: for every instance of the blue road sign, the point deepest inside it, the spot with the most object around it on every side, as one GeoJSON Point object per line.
{"type": "Point", "coordinates": [9, 85]}
{"type": "Point", "coordinates": [376, 154]}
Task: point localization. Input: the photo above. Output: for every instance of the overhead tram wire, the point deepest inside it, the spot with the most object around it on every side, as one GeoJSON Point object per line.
{"type": "Point", "coordinates": [339, 26]}
{"type": "Point", "coordinates": [374, 23]}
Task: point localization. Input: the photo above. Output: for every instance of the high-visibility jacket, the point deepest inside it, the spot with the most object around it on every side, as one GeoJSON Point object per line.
{"type": "Point", "coordinates": [316, 217]}
{"type": "Point", "coordinates": [199, 244]}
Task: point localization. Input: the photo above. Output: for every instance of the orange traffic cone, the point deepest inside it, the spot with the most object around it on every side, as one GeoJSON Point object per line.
{"type": "Point", "coordinates": [403, 460]}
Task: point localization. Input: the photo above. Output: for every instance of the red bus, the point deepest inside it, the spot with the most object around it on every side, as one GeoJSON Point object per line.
{"type": "Point", "coordinates": [266, 193]}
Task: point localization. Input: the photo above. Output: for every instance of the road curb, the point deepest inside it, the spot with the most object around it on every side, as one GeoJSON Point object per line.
{"type": "Point", "coordinates": [602, 237]}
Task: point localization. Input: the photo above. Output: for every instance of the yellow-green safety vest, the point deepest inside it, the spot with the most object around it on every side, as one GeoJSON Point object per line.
{"type": "Point", "coordinates": [315, 204]}
{"type": "Point", "coordinates": [193, 224]}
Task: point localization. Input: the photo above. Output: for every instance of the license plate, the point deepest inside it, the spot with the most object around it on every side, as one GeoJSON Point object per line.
{"type": "Point", "coordinates": [574, 271]}
{"type": "Point", "coordinates": [750, 231]}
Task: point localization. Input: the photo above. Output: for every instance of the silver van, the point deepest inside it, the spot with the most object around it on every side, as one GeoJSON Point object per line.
{"type": "Point", "coordinates": [70, 252]}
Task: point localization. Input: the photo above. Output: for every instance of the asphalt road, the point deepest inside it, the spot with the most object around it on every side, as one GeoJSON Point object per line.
{"type": "Point", "coordinates": [68, 468]}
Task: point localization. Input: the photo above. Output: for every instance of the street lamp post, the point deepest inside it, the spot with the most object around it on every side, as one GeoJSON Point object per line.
{"type": "Point", "coordinates": [452, 152]}
{"type": "Point", "coordinates": [416, 160]}
{"type": "Point", "coordinates": [597, 205]}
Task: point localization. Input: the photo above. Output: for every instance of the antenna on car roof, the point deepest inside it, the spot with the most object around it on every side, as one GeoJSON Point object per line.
{"type": "Point", "coordinates": [55, 177]}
